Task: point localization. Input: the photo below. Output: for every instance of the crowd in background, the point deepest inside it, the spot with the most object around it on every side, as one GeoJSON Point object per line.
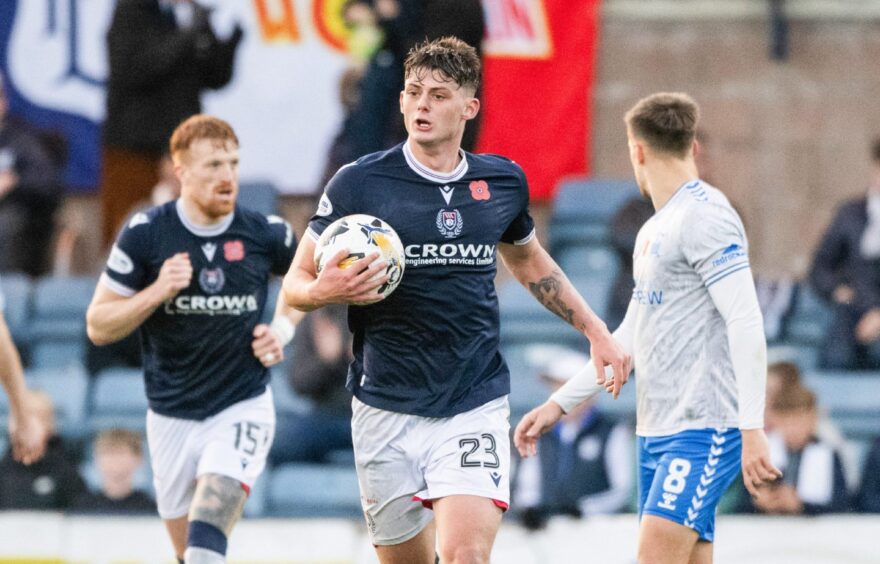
{"type": "Point", "coordinates": [585, 465]}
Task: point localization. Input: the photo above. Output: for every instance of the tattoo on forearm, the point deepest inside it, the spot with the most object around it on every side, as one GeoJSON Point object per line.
{"type": "Point", "coordinates": [219, 500]}
{"type": "Point", "coordinates": [548, 291]}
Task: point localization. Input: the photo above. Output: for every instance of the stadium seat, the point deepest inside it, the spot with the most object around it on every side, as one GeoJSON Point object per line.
{"type": "Point", "coordinates": [256, 502]}
{"type": "Point", "coordinates": [851, 398]}
{"type": "Point", "coordinates": [286, 400]}
{"type": "Point", "coordinates": [17, 290]}
{"type": "Point", "coordinates": [56, 332]}
{"type": "Point", "coordinates": [118, 399]}
{"type": "Point", "coordinates": [805, 356]}
{"type": "Point", "coordinates": [261, 197]}
{"type": "Point", "coordinates": [68, 388]}
{"type": "Point", "coordinates": [583, 208]}
{"type": "Point", "coordinates": [313, 490]}
{"type": "Point", "coordinates": [56, 354]}
{"type": "Point", "coordinates": [809, 320]}
{"type": "Point", "coordinates": [590, 259]}
{"type": "Point", "coordinates": [524, 319]}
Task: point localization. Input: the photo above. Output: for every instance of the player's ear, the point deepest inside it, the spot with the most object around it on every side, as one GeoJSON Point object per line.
{"type": "Point", "coordinates": [401, 101]}
{"type": "Point", "coordinates": [471, 109]}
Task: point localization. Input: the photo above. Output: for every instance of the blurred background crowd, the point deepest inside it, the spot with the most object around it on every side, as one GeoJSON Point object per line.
{"type": "Point", "coordinates": [790, 133]}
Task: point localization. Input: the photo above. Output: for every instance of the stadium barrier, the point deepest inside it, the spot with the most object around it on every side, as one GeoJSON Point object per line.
{"type": "Point", "coordinates": [31, 538]}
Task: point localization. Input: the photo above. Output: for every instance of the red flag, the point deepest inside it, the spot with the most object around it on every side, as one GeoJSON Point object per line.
{"type": "Point", "coordinates": [538, 75]}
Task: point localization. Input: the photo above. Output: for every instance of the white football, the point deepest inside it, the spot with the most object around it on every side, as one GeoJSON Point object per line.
{"type": "Point", "coordinates": [362, 234]}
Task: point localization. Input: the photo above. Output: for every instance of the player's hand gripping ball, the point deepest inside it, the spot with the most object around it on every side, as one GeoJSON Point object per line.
{"type": "Point", "coordinates": [362, 234]}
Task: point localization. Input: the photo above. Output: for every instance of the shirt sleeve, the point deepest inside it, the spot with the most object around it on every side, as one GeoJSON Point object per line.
{"type": "Point", "coordinates": [126, 269]}
{"type": "Point", "coordinates": [283, 244]}
{"type": "Point", "coordinates": [715, 245]}
{"type": "Point", "coordinates": [583, 384]}
{"type": "Point", "coordinates": [338, 200]}
{"type": "Point", "coordinates": [737, 302]}
{"type": "Point", "coordinates": [522, 229]}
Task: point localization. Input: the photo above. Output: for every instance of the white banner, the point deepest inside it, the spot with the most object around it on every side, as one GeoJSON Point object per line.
{"type": "Point", "coordinates": [283, 100]}
{"type": "Point", "coordinates": [41, 537]}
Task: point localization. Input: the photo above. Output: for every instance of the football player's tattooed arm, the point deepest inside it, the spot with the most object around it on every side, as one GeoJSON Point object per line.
{"type": "Point", "coordinates": [305, 290]}
{"type": "Point", "coordinates": [112, 316]}
{"type": "Point", "coordinates": [536, 270]}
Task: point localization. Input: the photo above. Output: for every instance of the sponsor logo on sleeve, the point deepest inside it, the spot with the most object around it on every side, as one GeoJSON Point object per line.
{"type": "Point", "coordinates": [138, 219]}
{"type": "Point", "coordinates": [325, 208]}
{"type": "Point", "coordinates": [730, 254]}
{"type": "Point", "coordinates": [119, 262]}
{"type": "Point", "coordinates": [288, 231]}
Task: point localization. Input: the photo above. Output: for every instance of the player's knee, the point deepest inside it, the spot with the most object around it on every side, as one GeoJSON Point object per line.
{"type": "Point", "coordinates": [468, 552]}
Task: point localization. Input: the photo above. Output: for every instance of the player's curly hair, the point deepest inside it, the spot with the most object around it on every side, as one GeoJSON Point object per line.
{"type": "Point", "coordinates": [199, 126]}
{"type": "Point", "coordinates": [452, 57]}
{"type": "Point", "coordinates": [666, 121]}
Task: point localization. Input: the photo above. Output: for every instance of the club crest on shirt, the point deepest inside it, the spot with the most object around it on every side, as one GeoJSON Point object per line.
{"type": "Point", "coordinates": [449, 222]}
{"type": "Point", "coordinates": [211, 280]}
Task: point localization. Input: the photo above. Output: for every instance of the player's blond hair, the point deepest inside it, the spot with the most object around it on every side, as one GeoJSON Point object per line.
{"type": "Point", "coordinates": [451, 56]}
{"type": "Point", "coordinates": [666, 121]}
{"type": "Point", "coordinates": [199, 126]}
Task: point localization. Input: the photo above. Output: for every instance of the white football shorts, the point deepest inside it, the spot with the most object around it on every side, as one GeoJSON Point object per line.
{"type": "Point", "coordinates": [404, 462]}
{"type": "Point", "coordinates": [233, 443]}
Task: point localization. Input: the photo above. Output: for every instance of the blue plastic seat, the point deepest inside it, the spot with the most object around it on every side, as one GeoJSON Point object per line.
{"type": "Point", "coordinates": [118, 399]}
{"type": "Point", "coordinates": [809, 320]}
{"type": "Point", "coordinates": [313, 490]}
{"type": "Point", "coordinates": [68, 388]}
{"type": "Point", "coordinates": [852, 398]}
{"type": "Point", "coordinates": [17, 290]}
{"type": "Point", "coordinates": [259, 196]}
{"type": "Point", "coordinates": [583, 208]}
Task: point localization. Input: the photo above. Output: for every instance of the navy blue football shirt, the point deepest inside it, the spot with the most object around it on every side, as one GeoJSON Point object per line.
{"type": "Point", "coordinates": [431, 347]}
{"type": "Point", "coordinates": [198, 358]}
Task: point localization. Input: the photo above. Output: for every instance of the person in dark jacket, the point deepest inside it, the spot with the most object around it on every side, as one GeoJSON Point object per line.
{"type": "Point", "coordinates": [31, 190]}
{"type": "Point", "coordinates": [846, 272]}
{"type": "Point", "coordinates": [584, 465]}
{"type": "Point", "coordinates": [321, 352]}
{"type": "Point", "coordinates": [51, 483]}
{"type": "Point", "coordinates": [163, 54]}
{"type": "Point", "coordinates": [868, 497]}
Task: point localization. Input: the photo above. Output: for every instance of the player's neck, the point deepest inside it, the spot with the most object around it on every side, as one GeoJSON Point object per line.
{"type": "Point", "coordinates": [197, 216]}
{"type": "Point", "coordinates": [664, 178]}
{"type": "Point", "coordinates": [440, 158]}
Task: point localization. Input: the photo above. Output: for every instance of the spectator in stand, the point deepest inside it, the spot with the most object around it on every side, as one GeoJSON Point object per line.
{"type": "Point", "coordinates": [376, 123]}
{"type": "Point", "coordinates": [321, 353]}
{"type": "Point", "coordinates": [51, 483]}
{"type": "Point", "coordinates": [163, 54]}
{"type": "Point", "coordinates": [118, 457]}
{"type": "Point", "coordinates": [584, 465]}
{"type": "Point", "coordinates": [845, 273]}
{"type": "Point", "coordinates": [868, 498]}
{"type": "Point", "coordinates": [813, 480]}
{"type": "Point", "coordinates": [31, 190]}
